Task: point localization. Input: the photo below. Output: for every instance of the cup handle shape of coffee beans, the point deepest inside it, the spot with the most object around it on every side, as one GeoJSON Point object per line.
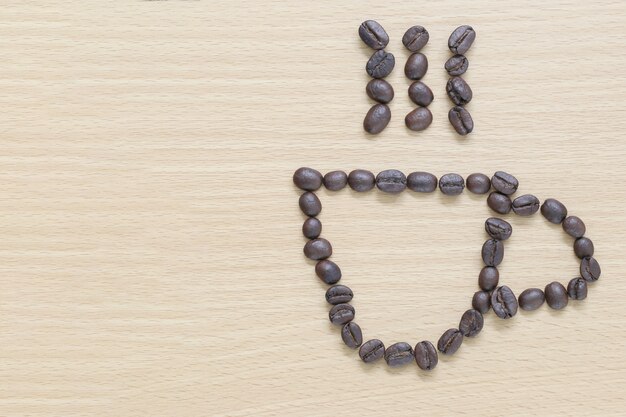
{"type": "Point", "coordinates": [492, 295]}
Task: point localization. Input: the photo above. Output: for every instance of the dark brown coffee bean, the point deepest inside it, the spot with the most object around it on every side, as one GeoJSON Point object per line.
{"type": "Point", "coordinates": [459, 91]}
{"type": "Point", "coordinates": [399, 354]}
{"type": "Point", "coordinates": [338, 294]}
{"type": "Point", "coordinates": [361, 180]}
{"type": "Point", "coordinates": [461, 120]}
{"type": "Point", "coordinates": [471, 323]}
{"type": "Point", "coordinates": [499, 203]}
{"type": "Point", "coordinates": [391, 181]}
{"type": "Point", "coordinates": [426, 355]}
{"type": "Point", "coordinates": [525, 205]}
{"type": "Point", "coordinates": [493, 252]}
{"type": "Point", "coordinates": [504, 183]}
{"type": "Point", "coordinates": [307, 179]}
{"type": "Point", "coordinates": [583, 247]}
{"type": "Point", "coordinates": [450, 341]}
{"type": "Point", "coordinates": [318, 249]}
{"type": "Point", "coordinates": [416, 66]}
{"type": "Point", "coordinates": [419, 119]}
{"type": "Point", "coordinates": [498, 229]}
{"type": "Point", "coordinates": [373, 34]}
{"type": "Point", "coordinates": [420, 94]}
{"type": "Point", "coordinates": [377, 119]}
{"type": "Point", "coordinates": [372, 350]}
{"type": "Point", "coordinates": [504, 302]}
{"type": "Point", "coordinates": [556, 295]}
{"type": "Point", "coordinates": [328, 272]}
{"type": "Point", "coordinates": [379, 90]}
{"type": "Point", "coordinates": [531, 299]}
{"type": "Point", "coordinates": [415, 38]}
{"type": "Point", "coordinates": [311, 228]}
{"type": "Point", "coordinates": [577, 289]}
{"type": "Point", "coordinates": [488, 278]}
{"type": "Point", "coordinates": [341, 314]}
{"type": "Point", "coordinates": [310, 204]}
{"type": "Point", "coordinates": [380, 64]}
{"type": "Point", "coordinates": [421, 182]}
{"type": "Point", "coordinates": [574, 227]}
{"type": "Point", "coordinates": [590, 269]}
{"type": "Point", "coordinates": [451, 184]}
{"type": "Point", "coordinates": [481, 301]}
{"type": "Point", "coordinates": [351, 335]}
{"type": "Point", "coordinates": [461, 39]}
{"type": "Point", "coordinates": [478, 183]}
{"type": "Point", "coordinates": [553, 210]}
{"type": "Point", "coordinates": [456, 65]}
{"type": "Point", "coordinates": [335, 180]}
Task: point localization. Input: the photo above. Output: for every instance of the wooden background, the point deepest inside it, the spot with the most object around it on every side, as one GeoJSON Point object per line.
{"type": "Point", "coordinates": [151, 256]}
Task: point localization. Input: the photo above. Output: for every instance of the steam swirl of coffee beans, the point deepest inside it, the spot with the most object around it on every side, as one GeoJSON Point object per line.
{"type": "Point", "coordinates": [458, 90]}
{"type": "Point", "coordinates": [414, 39]}
{"type": "Point", "coordinates": [491, 296]}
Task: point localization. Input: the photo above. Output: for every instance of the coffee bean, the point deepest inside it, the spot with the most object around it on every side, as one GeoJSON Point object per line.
{"type": "Point", "coordinates": [553, 210]}
{"type": "Point", "coordinates": [416, 66]}
{"type": "Point", "coordinates": [577, 289]}
{"type": "Point", "coordinates": [377, 119]}
{"type": "Point", "coordinates": [311, 228]}
{"type": "Point", "coordinates": [310, 204]}
{"type": "Point", "coordinates": [574, 227]}
{"type": "Point", "coordinates": [341, 314]}
{"type": "Point", "coordinates": [351, 335]}
{"type": "Point", "coordinates": [421, 182]}
{"type": "Point", "coordinates": [426, 355]}
{"type": "Point", "coordinates": [499, 203]}
{"type": "Point", "coordinates": [590, 269]}
{"type": "Point", "coordinates": [338, 294]}
{"type": "Point", "coordinates": [399, 354]}
{"type": "Point", "coordinates": [318, 249]}
{"type": "Point", "coordinates": [328, 272]}
{"type": "Point", "coordinates": [391, 181]}
{"type": "Point", "coordinates": [335, 180]}
{"type": "Point", "coordinates": [471, 323]}
{"type": "Point", "coordinates": [504, 302]}
{"type": "Point", "coordinates": [415, 38]}
{"type": "Point", "coordinates": [361, 180]}
{"type": "Point", "coordinates": [498, 229]}
{"type": "Point", "coordinates": [493, 252]}
{"type": "Point", "coordinates": [379, 90]}
{"type": "Point", "coordinates": [556, 295]}
{"type": "Point", "coordinates": [461, 39]}
{"type": "Point", "coordinates": [419, 119]}
{"type": "Point", "coordinates": [478, 183]}
{"type": "Point", "coordinates": [481, 301]}
{"type": "Point", "coordinates": [380, 64]}
{"type": "Point", "coordinates": [531, 299]}
{"type": "Point", "coordinates": [420, 94]}
{"type": "Point", "coordinates": [372, 350]}
{"type": "Point", "coordinates": [525, 205]}
{"type": "Point", "coordinates": [583, 247]}
{"type": "Point", "coordinates": [307, 179]}
{"type": "Point", "coordinates": [459, 91]}
{"type": "Point", "coordinates": [456, 65]}
{"type": "Point", "coordinates": [451, 184]}
{"type": "Point", "coordinates": [450, 341]}
{"type": "Point", "coordinates": [461, 120]}
{"type": "Point", "coordinates": [488, 278]}
{"type": "Point", "coordinates": [504, 182]}
{"type": "Point", "coordinates": [373, 34]}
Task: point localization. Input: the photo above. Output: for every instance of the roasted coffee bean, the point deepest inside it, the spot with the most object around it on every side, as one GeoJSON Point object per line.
{"type": "Point", "coordinates": [577, 289]}
{"type": "Point", "coordinates": [451, 184]}
{"type": "Point", "coordinates": [372, 350]}
{"type": "Point", "coordinates": [531, 299]}
{"type": "Point", "coordinates": [391, 181]}
{"type": "Point", "coordinates": [450, 341]}
{"type": "Point", "coordinates": [471, 323]}
{"type": "Point", "coordinates": [420, 94]}
{"type": "Point", "coordinates": [338, 294]}
{"type": "Point", "coordinates": [499, 203]}
{"type": "Point", "coordinates": [310, 204]}
{"type": "Point", "coordinates": [461, 120]}
{"type": "Point", "coordinates": [481, 301]}
{"type": "Point", "coordinates": [415, 38]}
{"type": "Point", "coordinates": [488, 278]}
{"type": "Point", "coordinates": [574, 227]}
{"type": "Point", "coordinates": [307, 179]}
{"type": "Point", "coordinates": [498, 229]}
{"type": "Point", "coordinates": [311, 228]}
{"type": "Point", "coordinates": [504, 182]}
{"type": "Point", "coordinates": [399, 354]}
{"type": "Point", "coordinates": [461, 39]}
{"type": "Point", "coordinates": [380, 64]}
{"type": "Point", "coordinates": [377, 119]}
{"type": "Point", "coordinates": [493, 252]}
{"type": "Point", "coordinates": [583, 247]}
{"type": "Point", "coordinates": [416, 66]}
{"type": "Point", "coordinates": [459, 91]}
{"type": "Point", "coordinates": [335, 180]}
{"type": "Point", "coordinates": [426, 355]}
{"type": "Point", "coordinates": [361, 180]}
{"type": "Point", "coordinates": [556, 295]}
{"type": "Point", "coordinates": [373, 34]}
{"type": "Point", "coordinates": [525, 205]}
{"type": "Point", "coordinates": [379, 90]}
{"type": "Point", "coordinates": [421, 182]}
{"type": "Point", "coordinates": [318, 249]}
{"type": "Point", "coordinates": [504, 302]}
{"type": "Point", "coordinates": [456, 65]}
{"type": "Point", "coordinates": [478, 183]}
{"type": "Point", "coordinates": [328, 271]}
{"type": "Point", "coordinates": [341, 314]}
{"type": "Point", "coordinates": [419, 119]}
{"type": "Point", "coordinates": [553, 210]}
{"type": "Point", "coordinates": [590, 269]}
{"type": "Point", "coordinates": [351, 335]}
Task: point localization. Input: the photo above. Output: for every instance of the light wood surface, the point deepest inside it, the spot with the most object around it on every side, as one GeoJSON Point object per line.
{"type": "Point", "coordinates": [151, 258]}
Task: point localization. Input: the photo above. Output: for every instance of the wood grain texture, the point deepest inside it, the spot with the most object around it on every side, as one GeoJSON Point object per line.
{"type": "Point", "coordinates": [151, 257]}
